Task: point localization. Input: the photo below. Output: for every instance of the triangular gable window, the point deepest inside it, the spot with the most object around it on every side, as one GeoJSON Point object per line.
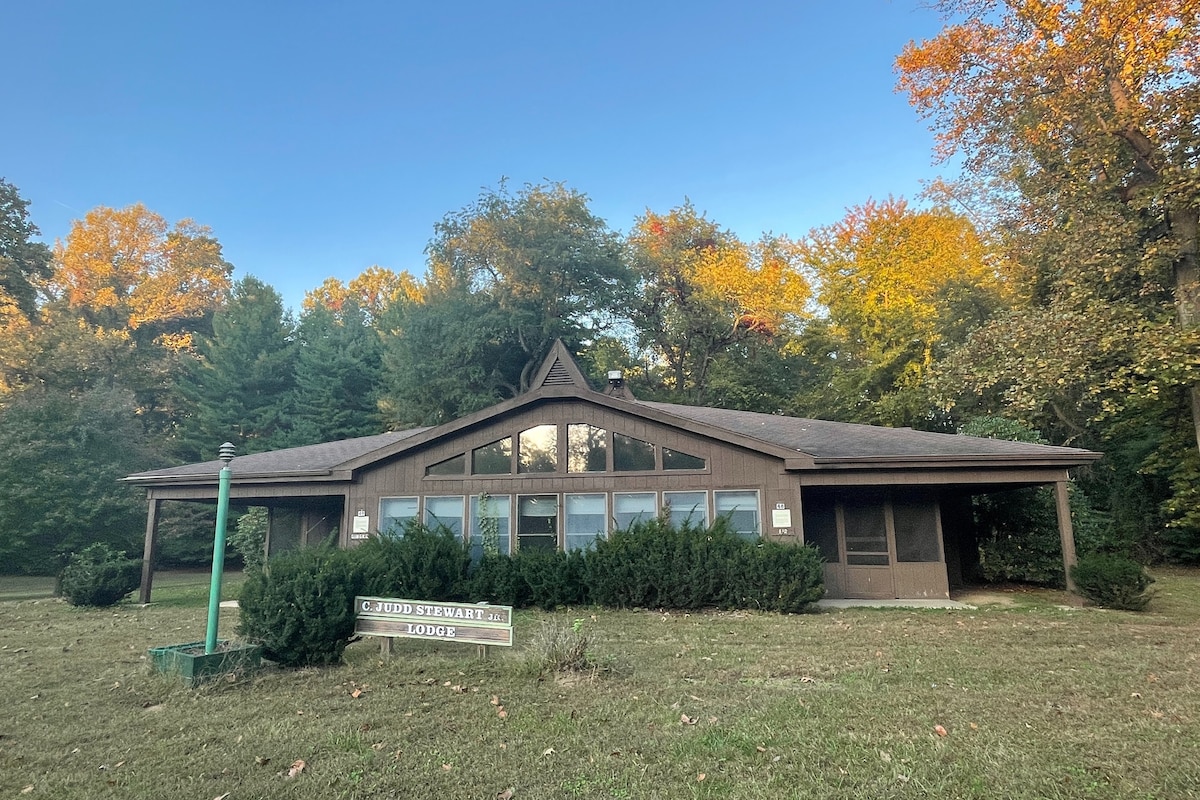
{"type": "Point", "coordinates": [673, 459]}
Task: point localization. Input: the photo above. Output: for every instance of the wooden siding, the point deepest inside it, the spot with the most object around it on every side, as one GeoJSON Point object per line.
{"type": "Point", "coordinates": [726, 467]}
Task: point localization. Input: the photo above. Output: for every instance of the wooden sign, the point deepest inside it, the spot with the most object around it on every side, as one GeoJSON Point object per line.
{"type": "Point", "coordinates": [469, 623]}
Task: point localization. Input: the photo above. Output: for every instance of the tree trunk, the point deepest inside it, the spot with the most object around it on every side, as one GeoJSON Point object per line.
{"type": "Point", "coordinates": [1186, 226]}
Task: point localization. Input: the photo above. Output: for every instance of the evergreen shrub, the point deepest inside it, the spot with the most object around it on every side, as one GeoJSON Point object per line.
{"type": "Point", "coordinates": [1111, 580]}
{"type": "Point", "coordinates": [655, 564]}
{"type": "Point", "coordinates": [424, 563]}
{"type": "Point", "coordinates": [542, 578]}
{"type": "Point", "coordinates": [300, 605]}
{"type": "Point", "coordinates": [99, 576]}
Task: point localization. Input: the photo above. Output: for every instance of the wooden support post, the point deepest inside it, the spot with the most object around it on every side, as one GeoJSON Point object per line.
{"type": "Point", "coordinates": [484, 651]}
{"type": "Point", "coordinates": [148, 550]}
{"type": "Point", "coordinates": [385, 647]}
{"type": "Point", "coordinates": [1066, 531]}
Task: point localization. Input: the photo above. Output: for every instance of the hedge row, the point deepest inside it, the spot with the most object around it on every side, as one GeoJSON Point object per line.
{"type": "Point", "coordinates": [300, 605]}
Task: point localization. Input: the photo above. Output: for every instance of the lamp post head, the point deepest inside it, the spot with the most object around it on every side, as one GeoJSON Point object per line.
{"type": "Point", "coordinates": [227, 452]}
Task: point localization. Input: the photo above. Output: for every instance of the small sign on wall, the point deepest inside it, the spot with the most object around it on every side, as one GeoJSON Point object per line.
{"type": "Point", "coordinates": [361, 527]}
{"type": "Point", "coordinates": [781, 518]}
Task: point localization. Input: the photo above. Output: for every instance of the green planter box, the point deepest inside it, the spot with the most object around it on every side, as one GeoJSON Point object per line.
{"type": "Point", "coordinates": [190, 662]}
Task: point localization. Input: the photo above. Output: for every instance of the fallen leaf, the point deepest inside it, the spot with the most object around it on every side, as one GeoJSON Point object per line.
{"type": "Point", "coordinates": [447, 767]}
{"type": "Point", "coordinates": [700, 777]}
{"type": "Point", "coordinates": [761, 749]}
{"type": "Point", "coordinates": [505, 795]}
{"type": "Point", "coordinates": [27, 789]}
{"type": "Point", "coordinates": [495, 699]}
{"type": "Point", "coordinates": [357, 693]}
{"type": "Point", "coordinates": [1136, 695]}
{"type": "Point", "coordinates": [686, 720]}
{"type": "Point", "coordinates": [939, 730]}
{"type": "Point", "coordinates": [502, 713]}
{"type": "Point", "coordinates": [547, 751]}
{"type": "Point", "coordinates": [262, 761]}
{"type": "Point", "coordinates": [297, 767]}
{"type": "Point", "coordinates": [222, 796]}
{"type": "Point", "coordinates": [974, 727]}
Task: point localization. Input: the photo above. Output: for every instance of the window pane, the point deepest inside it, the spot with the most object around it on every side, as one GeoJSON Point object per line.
{"type": "Point", "coordinates": [447, 511]}
{"type": "Point", "coordinates": [537, 522]}
{"type": "Point", "coordinates": [586, 448]}
{"type": "Point", "coordinates": [631, 508]}
{"type": "Point", "coordinates": [866, 531]}
{"type": "Point", "coordinates": [820, 527]}
{"type": "Point", "coordinates": [689, 508]}
{"type": "Point", "coordinates": [394, 512]}
{"type": "Point", "coordinates": [490, 516]}
{"type": "Point", "coordinates": [493, 459]}
{"type": "Point", "coordinates": [741, 508]}
{"type": "Point", "coordinates": [451, 466]}
{"type": "Point", "coordinates": [673, 459]}
{"type": "Point", "coordinates": [538, 449]}
{"type": "Point", "coordinates": [586, 519]}
{"type": "Point", "coordinates": [630, 454]}
{"type": "Point", "coordinates": [916, 531]}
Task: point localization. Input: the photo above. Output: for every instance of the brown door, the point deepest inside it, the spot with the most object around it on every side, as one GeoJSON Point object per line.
{"type": "Point", "coordinates": [868, 570]}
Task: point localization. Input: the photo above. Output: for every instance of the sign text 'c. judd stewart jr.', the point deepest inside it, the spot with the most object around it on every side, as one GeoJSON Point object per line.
{"type": "Point", "coordinates": [456, 622]}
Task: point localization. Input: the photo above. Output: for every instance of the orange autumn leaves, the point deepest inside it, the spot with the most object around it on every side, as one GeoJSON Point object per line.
{"type": "Point", "coordinates": [128, 268]}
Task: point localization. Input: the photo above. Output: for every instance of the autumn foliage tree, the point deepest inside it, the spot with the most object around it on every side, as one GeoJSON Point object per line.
{"type": "Point", "coordinates": [128, 268]}
{"type": "Point", "coordinates": [702, 292]}
{"type": "Point", "coordinates": [1091, 113]}
{"type": "Point", "coordinates": [897, 286]}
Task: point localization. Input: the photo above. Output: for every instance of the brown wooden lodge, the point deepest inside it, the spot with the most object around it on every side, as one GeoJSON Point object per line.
{"type": "Point", "coordinates": [562, 464]}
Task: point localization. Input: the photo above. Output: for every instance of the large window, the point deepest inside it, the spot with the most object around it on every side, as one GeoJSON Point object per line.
{"type": "Point", "coordinates": [633, 507]}
{"type": "Point", "coordinates": [537, 449]}
{"type": "Point", "coordinates": [741, 509]}
{"type": "Point", "coordinates": [493, 459]}
{"type": "Point", "coordinates": [537, 522]}
{"type": "Point", "coordinates": [490, 520]}
{"type": "Point", "coordinates": [631, 455]}
{"type": "Point", "coordinates": [394, 512]}
{"type": "Point", "coordinates": [587, 449]}
{"type": "Point", "coordinates": [689, 508]}
{"type": "Point", "coordinates": [445, 511]}
{"type": "Point", "coordinates": [586, 519]}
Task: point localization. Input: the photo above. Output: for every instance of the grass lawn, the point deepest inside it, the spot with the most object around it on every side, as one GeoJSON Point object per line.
{"type": "Point", "coordinates": [1026, 698]}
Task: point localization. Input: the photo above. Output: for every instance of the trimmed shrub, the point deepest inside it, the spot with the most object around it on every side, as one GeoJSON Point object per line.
{"type": "Point", "coordinates": [1112, 581]}
{"type": "Point", "coordinates": [655, 564]}
{"type": "Point", "coordinates": [422, 563]}
{"type": "Point", "coordinates": [545, 579]}
{"type": "Point", "coordinates": [300, 606]}
{"type": "Point", "coordinates": [99, 576]}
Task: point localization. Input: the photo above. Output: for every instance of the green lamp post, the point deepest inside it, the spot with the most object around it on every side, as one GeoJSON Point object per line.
{"type": "Point", "coordinates": [214, 593]}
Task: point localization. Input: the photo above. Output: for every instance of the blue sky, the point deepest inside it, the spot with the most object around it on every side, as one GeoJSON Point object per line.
{"type": "Point", "coordinates": [317, 139]}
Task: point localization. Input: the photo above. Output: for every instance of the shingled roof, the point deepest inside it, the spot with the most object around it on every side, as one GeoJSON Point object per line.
{"type": "Point", "coordinates": [802, 443]}
{"type": "Point", "coordinates": [827, 441]}
{"type": "Point", "coordinates": [310, 460]}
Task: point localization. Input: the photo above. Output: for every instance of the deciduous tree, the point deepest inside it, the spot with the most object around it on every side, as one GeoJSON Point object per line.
{"type": "Point", "coordinates": [702, 291]}
{"type": "Point", "coordinates": [1091, 112]}
{"type": "Point", "coordinates": [129, 269]}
